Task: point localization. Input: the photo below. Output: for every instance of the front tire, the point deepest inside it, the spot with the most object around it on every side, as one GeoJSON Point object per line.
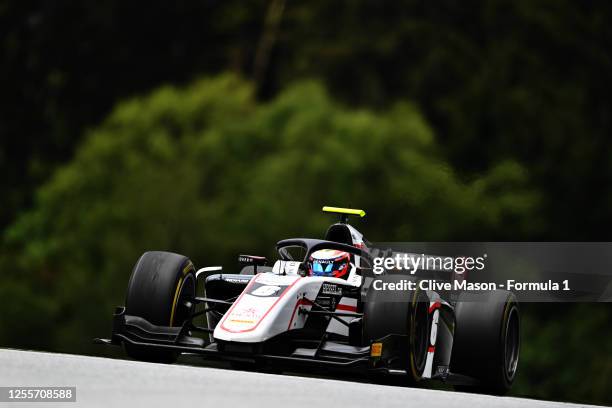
{"type": "Point", "coordinates": [160, 284]}
{"type": "Point", "coordinates": [400, 312]}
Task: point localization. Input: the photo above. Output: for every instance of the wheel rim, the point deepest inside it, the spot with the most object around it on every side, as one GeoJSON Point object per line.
{"type": "Point", "coordinates": [186, 295]}
{"type": "Point", "coordinates": [512, 344]}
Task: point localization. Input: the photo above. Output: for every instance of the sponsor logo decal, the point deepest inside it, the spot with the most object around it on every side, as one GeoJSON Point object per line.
{"type": "Point", "coordinates": [247, 315]}
{"type": "Point", "coordinates": [236, 280]}
{"type": "Point", "coordinates": [331, 289]}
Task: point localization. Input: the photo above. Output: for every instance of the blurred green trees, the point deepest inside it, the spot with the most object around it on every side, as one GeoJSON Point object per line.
{"type": "Point", "coordinates": [566, 352]}
{"type": "Point", "coordinates": [496, 80]}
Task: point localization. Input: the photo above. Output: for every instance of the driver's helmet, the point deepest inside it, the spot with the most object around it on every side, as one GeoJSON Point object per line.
{"type": "Point", "coordinates": [329, 262]}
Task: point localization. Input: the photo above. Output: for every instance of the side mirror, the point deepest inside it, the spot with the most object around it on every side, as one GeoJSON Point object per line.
{"type": "Point", "coordinates": [252, 260]}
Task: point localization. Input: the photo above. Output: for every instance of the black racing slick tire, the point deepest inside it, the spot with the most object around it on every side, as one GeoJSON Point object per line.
{"type": "Point", "coordinates": [487, 340]}
{"type": "Point", "coordinates": [399, 312]}
{"type": "Point", "coordinates": [158, 289]}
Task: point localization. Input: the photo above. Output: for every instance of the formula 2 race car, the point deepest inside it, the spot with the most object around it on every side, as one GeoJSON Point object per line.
{"type": "Point", "coordinates": [317, 307]}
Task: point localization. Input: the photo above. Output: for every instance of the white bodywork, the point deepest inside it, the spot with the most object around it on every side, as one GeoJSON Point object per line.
{"type": "Point", "coordinates": [270, 303]}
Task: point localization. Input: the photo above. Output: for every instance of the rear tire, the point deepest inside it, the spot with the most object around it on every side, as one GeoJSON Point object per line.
{"type": "Point", "coordinates": [400, 312]}
{"type": "Point", "coordinates": [160, 284]}
{"type": "Point", "coordinates": [487, 340]}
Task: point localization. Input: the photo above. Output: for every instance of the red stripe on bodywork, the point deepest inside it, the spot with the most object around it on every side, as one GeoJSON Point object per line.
{"type": "Point", "coordinates": [347, 308]}
{"type": "Point", "coordinates": [431, 349]}
{"type": "Point", "coordinates": [433, 307]}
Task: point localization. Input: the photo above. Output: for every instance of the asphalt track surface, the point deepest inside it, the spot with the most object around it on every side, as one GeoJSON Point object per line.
{"type": "Point", "coordinates": [105, 382]}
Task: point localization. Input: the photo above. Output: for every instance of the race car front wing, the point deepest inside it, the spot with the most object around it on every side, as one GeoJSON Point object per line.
{"type": "Point", "coordinates": [328, 354]}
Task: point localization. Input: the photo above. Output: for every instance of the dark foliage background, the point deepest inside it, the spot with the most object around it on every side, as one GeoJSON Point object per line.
{"type": "Point", "coordinates": [215, 127]}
